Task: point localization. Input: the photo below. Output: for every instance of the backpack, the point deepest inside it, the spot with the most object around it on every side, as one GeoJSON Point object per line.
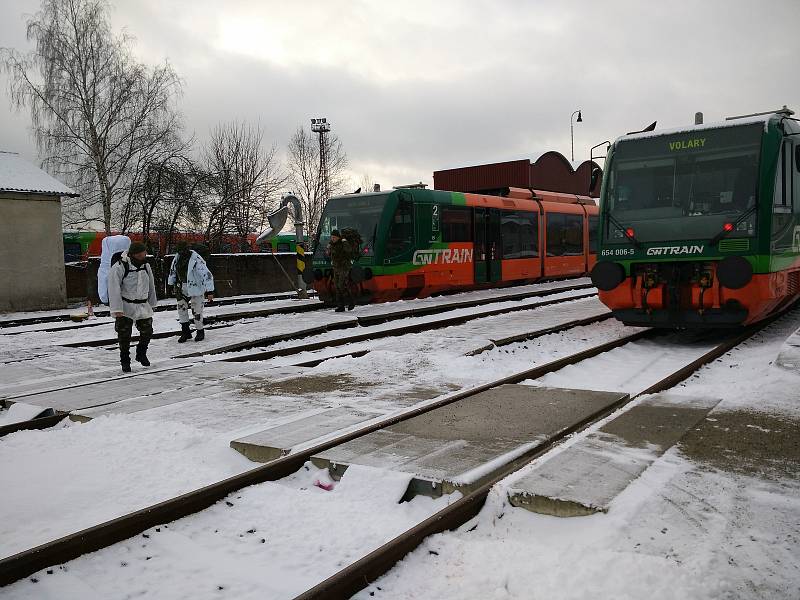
{"type": "Point", "coordinates": [115, 258]}
{"type": "Point", "coordinates": [354, 239]}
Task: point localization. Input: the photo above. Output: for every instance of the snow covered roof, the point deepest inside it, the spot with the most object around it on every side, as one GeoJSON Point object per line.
{"type": "Point", "coordinates": [19, 175]}
{"type": "Point", "coordinates": [759, 119]}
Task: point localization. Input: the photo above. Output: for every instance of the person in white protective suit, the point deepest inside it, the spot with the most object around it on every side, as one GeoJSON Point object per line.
{"type": "Point", "coordinates": [110, 245]}
{"type": "Point", "coordinates": [132, 296]}
{"type": "Point", "coordinates": [191, 280]}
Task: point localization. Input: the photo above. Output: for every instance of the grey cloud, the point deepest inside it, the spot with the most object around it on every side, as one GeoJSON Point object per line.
{"type": "Point", "coordinates": [462, 83]}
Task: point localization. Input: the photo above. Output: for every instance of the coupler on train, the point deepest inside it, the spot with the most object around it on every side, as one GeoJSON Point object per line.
{"type": "Point", "coordinates": [688, 294]}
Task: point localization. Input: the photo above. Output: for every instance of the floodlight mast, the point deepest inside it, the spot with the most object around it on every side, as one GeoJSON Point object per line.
{"type": "Point", "coordinates": [321, 127]}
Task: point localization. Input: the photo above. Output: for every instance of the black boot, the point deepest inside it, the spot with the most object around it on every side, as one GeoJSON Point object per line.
{"type": "Point", "coordinates": [125, 356]}
{"type": "Point", "coordinates": [200, 335]}
{"type": "Point", "coordinates": [186, 333]}
{"type": "Point", "coordinates": [141, 354]}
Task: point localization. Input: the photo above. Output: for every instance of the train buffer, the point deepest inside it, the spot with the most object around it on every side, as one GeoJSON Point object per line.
{"type": "Point", "coordinates": [585, 477]}
{"type": "Point", "coordinates": [460, 446]}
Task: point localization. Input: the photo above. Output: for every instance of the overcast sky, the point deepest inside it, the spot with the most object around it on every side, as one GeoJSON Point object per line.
{"type": "Point", "coordinates": [412, 87]}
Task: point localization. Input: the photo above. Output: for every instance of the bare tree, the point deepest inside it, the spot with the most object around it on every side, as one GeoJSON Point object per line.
{"type": "Point", "coordinates": [245, 179]}
{"type": "Point", "coordinates": [305, 177]}
{"type": "Point", "coordinates": [98, 115]}
{"type": "Point", "coordinates": [165, 182]}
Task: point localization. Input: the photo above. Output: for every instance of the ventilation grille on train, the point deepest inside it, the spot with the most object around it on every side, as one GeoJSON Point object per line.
{"type": "Point", "coordinates": [793, 283]}
{"type": "Point", "coordinates": [740, 245]}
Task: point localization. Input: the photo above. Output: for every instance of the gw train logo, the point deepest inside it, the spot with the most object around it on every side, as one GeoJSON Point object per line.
{"type": "Point", "coordinates": [673, 250]}
{"type": "Point", "coordinates": [437, 256]}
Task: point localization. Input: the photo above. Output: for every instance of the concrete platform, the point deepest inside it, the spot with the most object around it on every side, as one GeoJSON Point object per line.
{"type": "Point", "coordinates": [459, 446]}
{"type": "Point", "coordinates": [587, 476]}
{"type": "Point", "coordinates": [275, 442]}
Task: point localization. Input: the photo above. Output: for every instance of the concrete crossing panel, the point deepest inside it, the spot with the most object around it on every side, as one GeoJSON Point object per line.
{"type": "Point", "coordinates": [459, 446]}
{"type": "Point", "coordinates": [587, 476]}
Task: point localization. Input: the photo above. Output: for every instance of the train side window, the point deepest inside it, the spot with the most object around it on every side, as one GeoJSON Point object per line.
{"type": "Point", "coordinates": [796, 177]}
{"type": "Point", "coordinates": [784, 180]}
{"type": "Point", "coordinates": [456, 224]}
{"type": "Point", "coordinates": [72, 251]}
{"type": "Point", "coordinates": [594, 221]}
{"type": "Point", "coordinates": [401, 231]}
{"type": "Point", "coordinates": [564, 235]}
{"type": "Point", "coordinates": [519, 234]}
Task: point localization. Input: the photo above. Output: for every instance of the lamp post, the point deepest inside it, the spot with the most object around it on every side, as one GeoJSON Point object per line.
{"type": "Point", "coordinates": [571, 134]}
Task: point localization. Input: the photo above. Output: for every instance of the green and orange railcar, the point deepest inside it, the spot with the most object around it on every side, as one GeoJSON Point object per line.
{"type": "Point", "coordinates": [700, 226]}
{"type": "Point", "coordinates": [418, 242]}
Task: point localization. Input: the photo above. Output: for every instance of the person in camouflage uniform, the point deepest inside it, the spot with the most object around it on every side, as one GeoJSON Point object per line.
{"type": "Point", "coordinates": [131, 297]}
{"type": "Point", "coordinates": [341, 254]}
{"type": "Point", "coordinates": [192, 280]}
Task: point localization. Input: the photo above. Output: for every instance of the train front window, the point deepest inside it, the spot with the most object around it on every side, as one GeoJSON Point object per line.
{"type": "Point", "coordinates": [360, 212]}
{"type": "Point", "coordinates": [401, 229]}
{"type": "Point", "coordinates": [685, 185]}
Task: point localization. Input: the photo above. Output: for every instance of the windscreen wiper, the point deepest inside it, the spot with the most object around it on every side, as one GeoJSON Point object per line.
{"type": "Point", "coordinates": [624, 230]}
{"type": "Point", "coordinates": [729, 227]}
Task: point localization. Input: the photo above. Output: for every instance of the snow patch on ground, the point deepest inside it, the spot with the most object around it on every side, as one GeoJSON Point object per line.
{"type": "Point", "coordinates": [73, 476]}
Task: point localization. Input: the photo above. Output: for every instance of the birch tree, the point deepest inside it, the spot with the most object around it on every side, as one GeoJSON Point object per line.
{"type": "Point", "coordinates": [98, 115]}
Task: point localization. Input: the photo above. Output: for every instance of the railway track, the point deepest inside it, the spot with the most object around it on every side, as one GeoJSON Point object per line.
{"type": "Point", "coordinates": [50, 420]}
{"type": "Point", "coordinates": [360, 321]}
{"type": "Point", "coordinates": [94, 538]}
{"type": "Point", "coordinates": [359, 575]}
{"type": "Point", "coordinates": [62, 317]}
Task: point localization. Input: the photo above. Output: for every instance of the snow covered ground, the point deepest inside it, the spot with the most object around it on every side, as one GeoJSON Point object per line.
{"type": "Point", "coordinates": [718, 516]}
{"type": "Point", "coordinates": [703, 521]}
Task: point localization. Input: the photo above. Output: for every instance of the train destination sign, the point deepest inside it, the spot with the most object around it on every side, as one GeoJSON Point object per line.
{"type": "Point", "coordinates": [687, 144]}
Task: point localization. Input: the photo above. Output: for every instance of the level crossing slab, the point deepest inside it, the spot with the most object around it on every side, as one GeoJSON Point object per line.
{"type": "Point", "coordinates": [149, 383]}
{"type": "Point", "coordinates": [585, 478]}
{"type": "Point", "coordinates": [272, 443]}
{"type": "Point", "coordinates": [459, 446]}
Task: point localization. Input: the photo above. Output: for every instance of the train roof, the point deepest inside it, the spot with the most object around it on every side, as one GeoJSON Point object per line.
{"type": "Point", "coordinates": [763, 120]}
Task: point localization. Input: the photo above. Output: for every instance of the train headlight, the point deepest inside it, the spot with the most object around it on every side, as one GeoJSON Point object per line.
{"type": "Point", "coordinates": [607, 275]}
{"type": "Point", "coordinates": [734, 272]}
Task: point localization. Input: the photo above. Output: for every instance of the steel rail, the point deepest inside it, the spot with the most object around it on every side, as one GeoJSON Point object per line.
{"type": "Point", "coordinates": [402, 330]}
{"type": "Point", "coordinates": [29, 424]}
{"type": "Point", "coordinates": [362, 573]}
{"type": "Point", "coordinates": [367, 336]}
{"type": "Point", "coordinates": [94, 538]}
{"type": "Point", "coordinates": [215, 322]}
{"type": "Point", "coordinates": [159, 308]}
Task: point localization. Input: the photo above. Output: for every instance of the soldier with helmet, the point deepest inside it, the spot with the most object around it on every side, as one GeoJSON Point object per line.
{"type": "Point", "coordinates": [341, 254]}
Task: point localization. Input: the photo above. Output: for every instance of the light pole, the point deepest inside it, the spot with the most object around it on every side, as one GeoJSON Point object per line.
{"type": "Point", "coordinates": [571, 134]}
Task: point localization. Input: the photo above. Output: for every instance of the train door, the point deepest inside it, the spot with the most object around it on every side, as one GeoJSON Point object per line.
{"type": "Point", "coordinates": [488, 266]}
